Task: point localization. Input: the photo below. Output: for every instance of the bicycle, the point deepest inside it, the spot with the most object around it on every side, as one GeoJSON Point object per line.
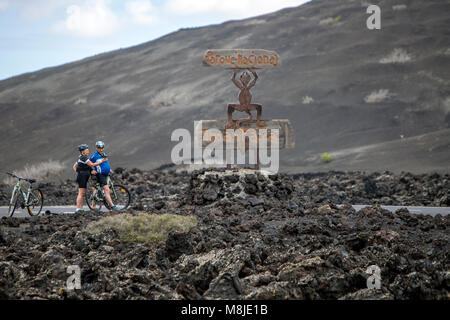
{"type": "Point", "coordinates": [32, 199]}
{"type": "Point", "coordinates": [95, 198]}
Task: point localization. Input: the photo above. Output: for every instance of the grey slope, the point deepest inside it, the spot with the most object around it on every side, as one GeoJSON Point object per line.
{"type": "Point", "coordinates": [134, 98]}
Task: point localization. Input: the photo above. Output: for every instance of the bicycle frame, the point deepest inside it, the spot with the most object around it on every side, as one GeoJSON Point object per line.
{"type": "Point", "coordinates": [18, 188]}
{"type": "Point", "coordinates": [100, 190]}
{"type": "Point", "coordinates": [111, 186]}
{"type": "Point", "coordinates": [96, 194]}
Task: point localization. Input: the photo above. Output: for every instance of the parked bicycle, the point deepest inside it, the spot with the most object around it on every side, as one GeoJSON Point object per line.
{"type": "Point", "coordinates": [32, 199]}
{"type": "Point", "coordinates": [95, 196]}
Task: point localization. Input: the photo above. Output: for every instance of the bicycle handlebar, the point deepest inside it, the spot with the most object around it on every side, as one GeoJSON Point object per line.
{"type": "Point", "coordinates": [12, 174]}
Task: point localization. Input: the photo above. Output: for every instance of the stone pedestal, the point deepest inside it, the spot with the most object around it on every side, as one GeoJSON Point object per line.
{"type": "Point", "coordinates": [210, 185]}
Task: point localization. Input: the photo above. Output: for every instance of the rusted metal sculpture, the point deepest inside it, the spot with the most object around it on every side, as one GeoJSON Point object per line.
{"type": "Point", "coordinates": [242, 59]}
{"type": "Point", "coordinates": [246, 61]}
{"type": "Point", "coordinates": [245, 99]}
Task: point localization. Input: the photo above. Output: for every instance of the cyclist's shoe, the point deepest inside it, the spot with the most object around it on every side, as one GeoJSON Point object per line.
{"type": "Point", "coordinates": [79, 211]}
{"type": "Point", "coordinates": [115, 208]}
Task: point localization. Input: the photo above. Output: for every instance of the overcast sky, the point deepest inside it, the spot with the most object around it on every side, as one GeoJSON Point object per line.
{"type": "Point", "coordinates": [35, 34]}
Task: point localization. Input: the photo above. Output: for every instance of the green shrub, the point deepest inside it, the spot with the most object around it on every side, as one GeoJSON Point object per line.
{"type": "Point", "coordinates": [331, 20]}
{"type": "Point", "coordinates": [326, 157]}
{"type": "Point", "coordinates": [144, 227]}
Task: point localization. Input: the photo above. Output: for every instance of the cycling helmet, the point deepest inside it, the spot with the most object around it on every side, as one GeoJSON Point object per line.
{"type": "Point", "coordinates": [82, 147]}
{"type": "Point", "coordinates": [100, 144]}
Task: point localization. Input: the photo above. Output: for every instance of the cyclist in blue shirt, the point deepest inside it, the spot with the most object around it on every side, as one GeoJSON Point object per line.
{"type": "Point", "coordinates": [82, 167]}
{"type": "Point", "coordinates": [102, 171]}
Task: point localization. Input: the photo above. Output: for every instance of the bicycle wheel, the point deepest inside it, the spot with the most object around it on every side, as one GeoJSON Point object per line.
{"type": "Point", "coordinates": [35, 202]}
{"type": "Point", "coordinates": [13, 204]}
{"type": "Point", "coordinates": [120, 196]}
{"type": "Point", "coordinates": [94, 198]}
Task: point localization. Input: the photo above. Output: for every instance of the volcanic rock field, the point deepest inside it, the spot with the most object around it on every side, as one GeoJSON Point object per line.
{"type": "Point", "coordinates": [257, 237]}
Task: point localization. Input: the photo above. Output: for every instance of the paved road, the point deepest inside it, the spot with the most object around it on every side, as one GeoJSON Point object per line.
{"type": "Point", "coordinates": [432, 211]}
{"type": "Point", "coordinates": [70, 210]}
{"type": "Point", "coordinates": [53, 209]}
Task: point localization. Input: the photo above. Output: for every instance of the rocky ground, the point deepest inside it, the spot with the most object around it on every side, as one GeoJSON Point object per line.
{"type": "Point", "coordinates": [258, 237]}
{"type": "Point", "coordinates": [151, 189]}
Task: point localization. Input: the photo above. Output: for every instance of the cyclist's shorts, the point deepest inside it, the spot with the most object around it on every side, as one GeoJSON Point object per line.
{"type": "Point", "coordinates": [82, 178]}
{"type": "Point", "coordinates": [102, 179]}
